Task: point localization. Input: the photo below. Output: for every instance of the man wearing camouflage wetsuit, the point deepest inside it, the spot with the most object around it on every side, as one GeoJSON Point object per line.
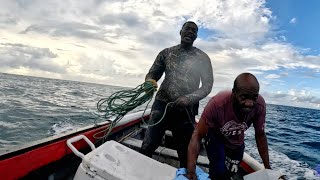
{"type": "Point", "coordinates": [184, 66]}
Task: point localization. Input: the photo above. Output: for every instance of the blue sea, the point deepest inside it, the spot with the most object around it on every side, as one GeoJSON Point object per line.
{"type": "Point", "coordinates": [33, 108]}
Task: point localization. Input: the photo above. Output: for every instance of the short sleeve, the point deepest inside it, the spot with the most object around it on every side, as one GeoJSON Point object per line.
{"type": "Point", "coordinates": [209, 113]}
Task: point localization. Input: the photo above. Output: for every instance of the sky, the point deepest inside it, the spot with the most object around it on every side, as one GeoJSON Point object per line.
{"type": "Point", "coordinates": [115, 42]}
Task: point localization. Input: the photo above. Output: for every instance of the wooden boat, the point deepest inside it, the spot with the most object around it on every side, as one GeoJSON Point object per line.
{"type": "Point", "coordinates": [52, 159]}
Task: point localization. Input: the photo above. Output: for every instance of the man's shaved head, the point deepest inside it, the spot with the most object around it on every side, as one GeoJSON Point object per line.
{"type": "Point", "coordinates": [246, 81]}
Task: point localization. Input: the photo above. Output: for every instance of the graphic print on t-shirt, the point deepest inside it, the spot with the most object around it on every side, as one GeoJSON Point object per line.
{"type": "Point", "coordinates": [232, 128]}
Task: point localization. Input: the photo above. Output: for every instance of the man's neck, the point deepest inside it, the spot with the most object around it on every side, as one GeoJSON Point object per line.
{"type": "Point", "coordinates": [185, 46]}
{"type": "Point", "coordinates": [240, 115]}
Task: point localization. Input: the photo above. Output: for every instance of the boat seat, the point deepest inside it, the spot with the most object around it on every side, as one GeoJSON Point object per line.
{"type": "Point", "coordinates": [167, 133]}
{"type": "Point", "coordinates": [163, 151]}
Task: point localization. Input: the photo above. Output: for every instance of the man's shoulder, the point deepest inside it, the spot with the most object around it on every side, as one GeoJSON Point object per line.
{"type": "Point", "coordinates": [172, 48]}
{"type": "Point", "coordinates": [201, 53]}
{"type": "Point", "coordinates": [169, 50]}
{"type": "Point", "coordinates": [221, 98]}
{"type": "Point", "coordinates": [261, 102]}
{"type": "Point", "coordinates": [199, 50]}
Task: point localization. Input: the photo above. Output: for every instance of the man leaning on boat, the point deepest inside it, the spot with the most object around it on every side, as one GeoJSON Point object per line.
{"type": "Point", "coordinates": [223, 122]}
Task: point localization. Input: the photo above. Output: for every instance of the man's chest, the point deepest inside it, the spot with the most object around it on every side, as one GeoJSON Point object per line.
{"type": "Point", "coordinates": [181, 61]}
{"type": "Point", "coordinates": [233, 128]}
{"type": "Point", "coordinates": [230, 125]}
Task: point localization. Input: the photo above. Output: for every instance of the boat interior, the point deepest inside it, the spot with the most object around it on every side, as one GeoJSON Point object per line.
{"type": "Point", "coordinates": [131, 136]}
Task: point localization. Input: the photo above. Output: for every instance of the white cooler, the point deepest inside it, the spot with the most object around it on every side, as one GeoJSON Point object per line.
{"type": "Point", "coordinates": [114, 161]}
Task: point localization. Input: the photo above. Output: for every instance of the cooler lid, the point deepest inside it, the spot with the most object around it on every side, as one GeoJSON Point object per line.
{"type": "Point", "coordinates": [113, 160]}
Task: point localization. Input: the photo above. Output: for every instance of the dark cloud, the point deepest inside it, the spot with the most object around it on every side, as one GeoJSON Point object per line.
{"type": "Point", "coordinates": [79, 45]}
{"type": "Point", "coordinates": [127, 54]}
{"type": "Point", "coordinates": [109, 67]}
{"type": "Point", "coordinates": [158, 13]}
{"type": "Point", "coordinates": [34, 51]}
{"type": "Point", "coordinates": [278, 95]}
{"type": "Point", "coordinates": [129, 20]}
{"type": "Point", "coordinates": [102, 66]}
{"type": "Point", "coordinates": [134, 75]}
{"type": "Point", "coordinates": [8, 19]}
{"type": "Point", "coordinates": [37, 28]}
{"type": "Point", "coordinates": [160, 38]}
{"type": "Point", "coordinates": [99, 2]}
{"type": "Point", "coordinates": [312, 73]}
{"type": "Point", "coordinates": [19, 55]}
{"type": "Point", "coordinates": [82, 31]}
{"type": "Point", "coordinates": [24, 4]}
{"type": "Point", "coordinates": [308, 99]}
{"type": "Point", "coordinates": [134, 25]}
{"type": "Point", "coordinates": [284, 74]}
{"type": "Point", "coordinates": [280, 98]}
{"type": "Point", "coordinates": [124, 25]}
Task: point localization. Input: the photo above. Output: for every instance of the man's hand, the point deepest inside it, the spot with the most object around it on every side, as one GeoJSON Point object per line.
{"type": "Point", "coordinates": [182, 101]}
{"type": "Point", "coordinates": [191, 176]}
{"type": "Point", "coordinates": [150, 86]}
{"type": "Point", "coordinates": [154, 82]}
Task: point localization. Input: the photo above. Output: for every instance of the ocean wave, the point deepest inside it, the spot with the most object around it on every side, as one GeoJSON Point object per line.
{"type": "Point", "coordinates": [62, 127]}
{"type": "Point", "coordinates": [312, 144]}
{"type": "Point", "coordinates": [293, 169]}
{"type": "Point", "coordinates": [9, 124]}
{"type": "Point", "coordinates": [313, 126]}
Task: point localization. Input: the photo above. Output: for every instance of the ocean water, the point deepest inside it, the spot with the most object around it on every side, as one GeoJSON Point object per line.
{"type": "Point", "coordinates": [33, 108]}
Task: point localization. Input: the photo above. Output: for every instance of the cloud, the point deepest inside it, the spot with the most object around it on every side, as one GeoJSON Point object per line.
{"type": "Point", "coordinates": [116, 42]}
{"type": "Point", "coordinates": [305, 97]}
{"type": "Point", "coordinates": [19, 55]}
{"type": "Point", "coordinates": [293, 21]}
{"type": "Point", "coordinates": [242, 20]}
{"type": "Point", "coordinates": [78, 30]}
{"type": "Point", "coordinates": [300, 98]}
{"type": "Point", "coordinates": [8, 19]}
{"type": "Point", "coordinates": [279, 94]}
{"type": "Point", "coordinates": [273, 76]}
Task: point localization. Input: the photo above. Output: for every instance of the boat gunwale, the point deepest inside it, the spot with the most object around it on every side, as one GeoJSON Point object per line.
{"type": "Point", "coordinates": [34, 155]}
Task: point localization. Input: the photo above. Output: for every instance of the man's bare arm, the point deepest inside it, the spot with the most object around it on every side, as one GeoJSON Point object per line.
{"type": "Point", "coordinates": [194, 145]}
{"type": "Point", "coordinates": [262, 144]}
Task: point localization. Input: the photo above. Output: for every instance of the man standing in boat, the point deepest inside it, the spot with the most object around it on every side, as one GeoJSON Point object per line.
{"type": "Point", "coordinates": [223, 122]}
{"type": "Point", "coordinates": [185, 66]}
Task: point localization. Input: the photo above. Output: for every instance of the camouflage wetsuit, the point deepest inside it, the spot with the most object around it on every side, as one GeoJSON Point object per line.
{"type": "Point", "coordinates": [184, 69]}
